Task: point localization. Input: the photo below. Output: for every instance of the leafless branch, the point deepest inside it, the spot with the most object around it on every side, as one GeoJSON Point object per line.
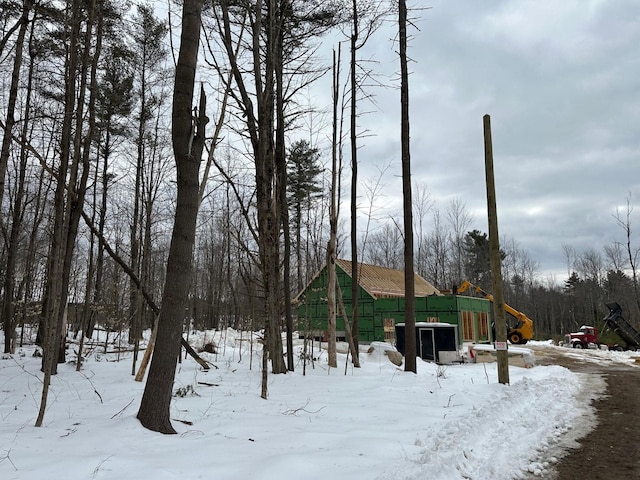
{"type": "Point", "coordinates": [122, 410]}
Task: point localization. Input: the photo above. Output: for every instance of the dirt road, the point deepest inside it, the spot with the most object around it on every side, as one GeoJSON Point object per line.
{"type": "Point", "coordinates": [611, 451]}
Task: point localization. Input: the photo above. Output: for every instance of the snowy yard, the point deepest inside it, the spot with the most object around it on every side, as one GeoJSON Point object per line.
{"type": "Point", "coordinates": [376, 422]}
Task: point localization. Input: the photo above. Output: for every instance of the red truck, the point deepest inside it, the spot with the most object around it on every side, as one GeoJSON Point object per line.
{"type": "Point", "coordinates": [616, 322]}
{"type": "Point", "coordinates": [583, 337]}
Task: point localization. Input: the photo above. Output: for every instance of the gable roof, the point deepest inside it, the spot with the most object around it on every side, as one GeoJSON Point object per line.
{"type": "Point", "coordinates": [381, 282]}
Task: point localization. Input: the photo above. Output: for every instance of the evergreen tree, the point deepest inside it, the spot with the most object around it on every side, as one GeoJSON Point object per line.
{"type": "Point", "coordinates": [477, 266]}
{"type": "Point", "coordinates": [618, 287]}
{"type": "Point", "coordinates": [304, 189]}
{"type": "Point", "coordinates": [149, 53]}
{"type": "Point", "coordinates": [114, 104]}
{"type": "Point", "coordinates": [572, 283]}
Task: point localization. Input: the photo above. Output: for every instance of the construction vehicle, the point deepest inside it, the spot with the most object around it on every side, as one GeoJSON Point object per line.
{"type": "Point", "coordinates": [585, 336]}
{"type": "Point", "coordinates": [519, 334]}
{"type": "Point", "coordinates": [615, 321]}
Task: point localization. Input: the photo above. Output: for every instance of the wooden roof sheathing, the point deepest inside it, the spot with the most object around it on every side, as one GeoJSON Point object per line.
{"type": "Point", "coordinates": [381, 282]}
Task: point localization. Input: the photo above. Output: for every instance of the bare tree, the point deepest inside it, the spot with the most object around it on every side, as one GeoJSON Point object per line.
{"type": "Point", "coordinates": [365, 19]}
{"type": "Point", "coordinates": [374, 188]}
{"type": "Point", "coordinates": [260, 125]}
{"type": "Point", "coordinates": [616, 255]}
{"type": "Point", "coordinates": [75, 148]}
{"type": "Point", "coordinates": [438, 251]}
{"type": "Point", "coordinates": [422, 204]}
{"type": "Point", "coordinates": [188, 135]}
{"type": "Point", "coordinates": [13, 241]}
{"type": "Point", "coordinates": [590, 265]}
{"type": "Point", "coordinates": [266, 69]}
{"type": "Point", "coordinates": [23, 24]}
{"type": "Point", "coordinates": [354, 172]}
{"type": "Point", "coordinates": [459, 220]}
{"type": "Point", "coordinates": [569, 257]}
{"type": "Point", "coordinates": [333, 223]}
{"type": "Point", "coordinates": [624, 221]}
{"type": "Point", "coordinates": [385, 247]}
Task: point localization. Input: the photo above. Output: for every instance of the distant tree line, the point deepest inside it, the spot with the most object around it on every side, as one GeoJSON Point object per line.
{"type": "Point", "coordinates": [449, 252]}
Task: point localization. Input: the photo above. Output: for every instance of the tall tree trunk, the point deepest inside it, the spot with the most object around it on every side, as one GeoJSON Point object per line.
{"type": "Point", "coordinates": [102, 219]}
{"type": "Point", "coordinates": [52, 299]}
{"type": "Point", "coordinates": [281, 168]}
{"type": "Point", "coordinates": [13, 93]}
{"type": "Point", "coordinates": [354, 179]}
{"type": "Point", "coordinates": [145, 275]}
{"type": "Point", "coordinates": [8, 311]}
{"type": "Point", "coordinates": [135, 315]}
{"type": "Point", "coordinates": [260, 126]}
{"type": "Point", "coordinates": [86, 307]}
{"type": "Point", "coordinates": [38, 208]}
{"type": "Point", "coordinates": [267, 196]}
{"type": "Point", "coordinates": [333, 223]}
{"type": "Point", "coordinates": [409, 282]}
{"type": "Point", "coordinates": [80, 165]}
{"type": "Point", "coordinates": [298, 222]}
{"type": "Point", "coordinates": [188, 144]}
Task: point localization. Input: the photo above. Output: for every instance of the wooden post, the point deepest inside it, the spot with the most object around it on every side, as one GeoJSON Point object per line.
{"type": "Point", "coordinates": [410, 363]}
{"type": "Point", "coordinates": [494, 255]}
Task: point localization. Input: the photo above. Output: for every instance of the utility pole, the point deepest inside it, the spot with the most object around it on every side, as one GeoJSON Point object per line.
{"type": "Point", "coordinates": [409, 276]}
{"type": "Point", "coordinates": [494, 255]}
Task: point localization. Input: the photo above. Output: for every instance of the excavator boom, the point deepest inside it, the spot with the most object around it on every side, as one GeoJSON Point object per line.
{"type": "Point", "coordinates": [519, 334]}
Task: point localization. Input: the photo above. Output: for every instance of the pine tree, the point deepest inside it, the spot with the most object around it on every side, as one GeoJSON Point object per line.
{"type": "Point", "coordinates": [149, 54]}
{"type": "Point", "coordinates": [477, 264]}
{"type": "Point", "coordinates": [304, 189]}
{"type": "Point", "coordinates": [114, 104]}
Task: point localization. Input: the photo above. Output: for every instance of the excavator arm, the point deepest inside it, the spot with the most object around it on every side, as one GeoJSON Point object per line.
{"type": "Point", "coordinates": [519, 334]}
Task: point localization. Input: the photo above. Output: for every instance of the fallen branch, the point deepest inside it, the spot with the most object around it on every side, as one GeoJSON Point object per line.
{"type": "Point", "coordinates": [203, 363]}
{"type": "Point", "coordinates": [8, 458]}
{"type": "Point", "coordinates": [99, 466]}
{"type": "Point", "coordinates": [69, 432]}
{"type": "Point", "coordinates": [122, 410]}
{"type": "Point", "coordinates": [94, 387]}
{"type": "Point", "coordinates": [147, 353]}
{"type": "Point", "coordinates": [186, 422]}
{"type": "Point", "coordinates": [294, 411]}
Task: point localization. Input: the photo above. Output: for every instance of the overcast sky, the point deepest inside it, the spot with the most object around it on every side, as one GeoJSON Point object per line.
{"type": "Point", "coordinates": [561, 81]}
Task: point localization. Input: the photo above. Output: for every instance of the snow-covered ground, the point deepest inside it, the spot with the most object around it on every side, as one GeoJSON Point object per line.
{"type": "Point", "coordinates": [376, 422]}
{"type": "Point", "coordinates": [594, 354]}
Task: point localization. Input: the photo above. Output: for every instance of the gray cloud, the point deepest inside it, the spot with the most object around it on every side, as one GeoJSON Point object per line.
{"type": "Point", "coordinates": [561, 81]}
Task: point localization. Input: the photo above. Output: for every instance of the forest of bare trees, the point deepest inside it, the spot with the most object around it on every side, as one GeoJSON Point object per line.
{"type": "Point", "coordinates": [95, 155]}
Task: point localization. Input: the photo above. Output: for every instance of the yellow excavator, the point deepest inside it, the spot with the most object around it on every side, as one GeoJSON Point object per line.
{"type": "Point", "coordinates": [518, 335]}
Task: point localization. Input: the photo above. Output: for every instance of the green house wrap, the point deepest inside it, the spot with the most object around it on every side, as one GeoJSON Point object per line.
{"type": "Point", "coordinates": [381, 305]}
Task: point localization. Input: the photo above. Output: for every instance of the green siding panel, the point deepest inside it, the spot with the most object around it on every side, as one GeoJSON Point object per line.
{"type": "Point", "coordinates": [312, 309]}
